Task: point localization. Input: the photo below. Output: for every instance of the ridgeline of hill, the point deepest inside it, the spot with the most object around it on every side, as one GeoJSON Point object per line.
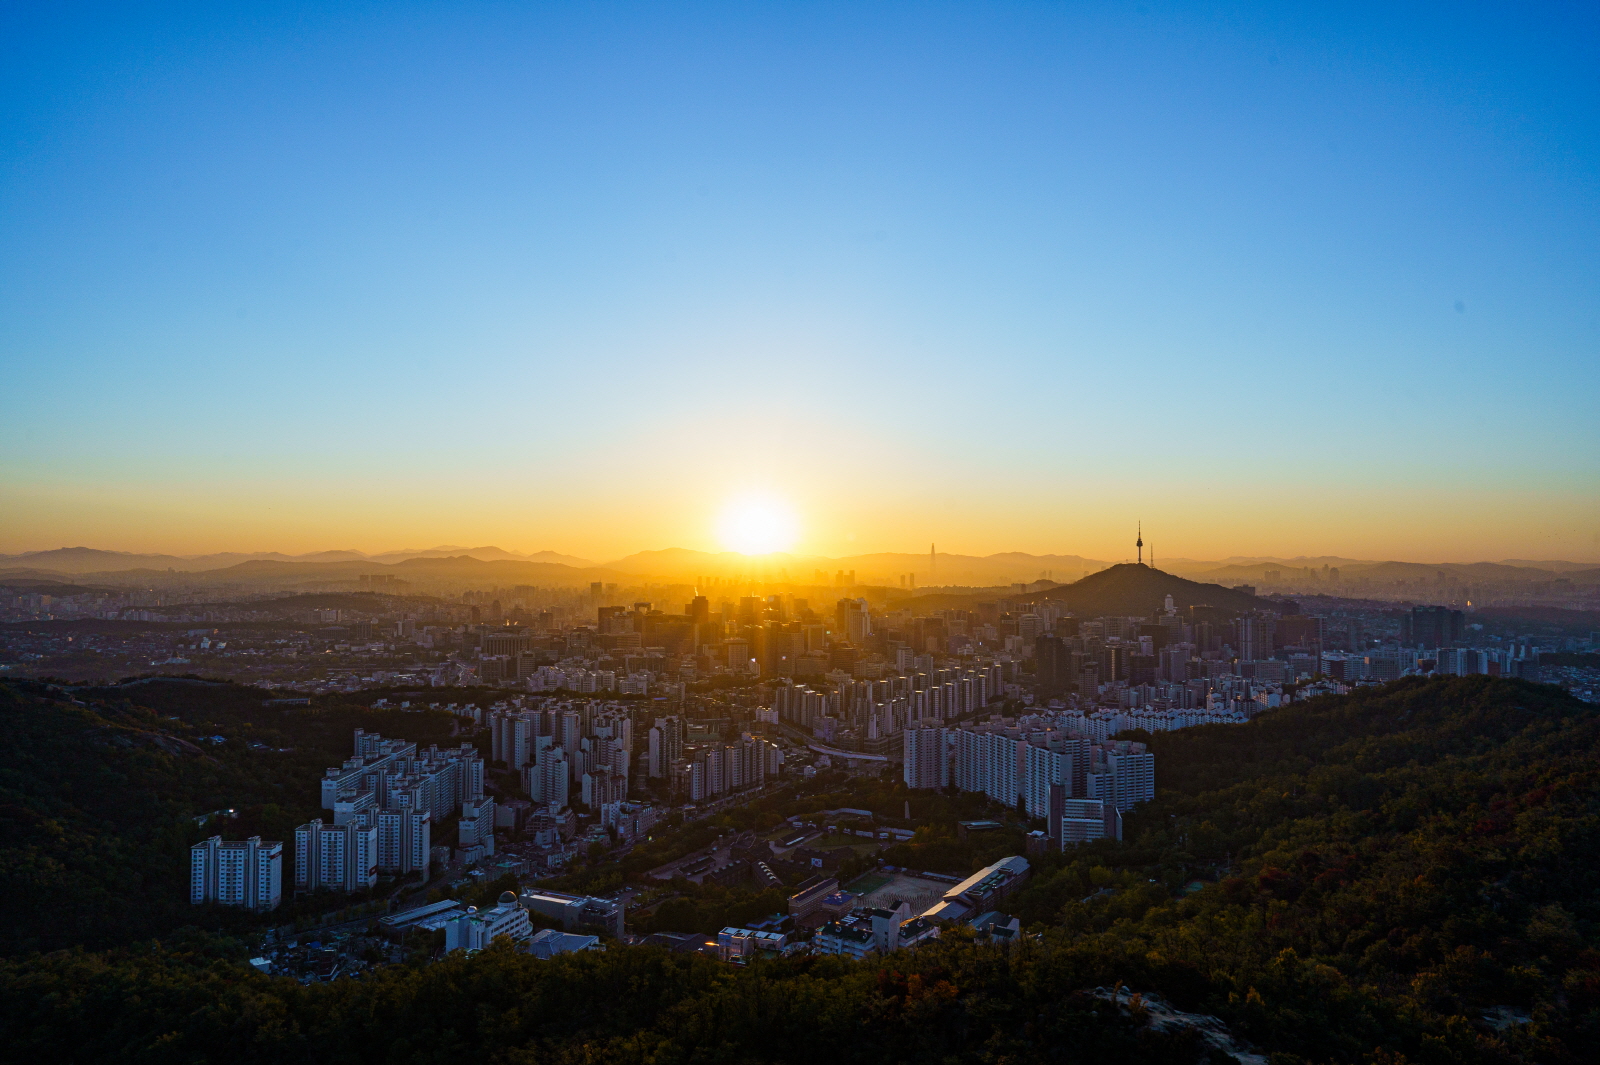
{"type": "Point", "coordinates": [1128, 588]}
{"type": "Point", "coordinates": [1135, 589]}
{"type": "Point", "coordinates": [1404, 874]}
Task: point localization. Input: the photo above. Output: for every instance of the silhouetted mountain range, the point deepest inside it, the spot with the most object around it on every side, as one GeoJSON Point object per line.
{"type": "Point", "coordinates": [1132, 588]}
{"type": "Point", "coordinates": [892, 570]}
{"type": "Point", "coordinates": [1126, 589]}
{"type": "Point", "coordinates": [74, 560]}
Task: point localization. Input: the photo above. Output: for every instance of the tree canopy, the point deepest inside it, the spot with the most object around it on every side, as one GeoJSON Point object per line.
{"type": "Point", "coordinates": [1409, 873]}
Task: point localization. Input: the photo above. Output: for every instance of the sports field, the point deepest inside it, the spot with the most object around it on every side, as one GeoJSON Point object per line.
{"type": "Point", "coordinates": [880, 889]}
{"type": "Point", "coordinates": [866, 885]}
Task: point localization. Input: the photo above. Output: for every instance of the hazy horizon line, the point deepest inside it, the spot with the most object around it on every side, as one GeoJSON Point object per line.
{"type": "Point", "coordinates": [601, 561]}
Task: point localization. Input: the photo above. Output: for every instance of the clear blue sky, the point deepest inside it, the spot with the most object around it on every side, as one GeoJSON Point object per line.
{"type": "Point", "coordinates": [1277, 280]}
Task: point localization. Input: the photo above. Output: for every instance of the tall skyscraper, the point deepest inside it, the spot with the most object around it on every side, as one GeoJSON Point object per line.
{"type": "Point", "coordinates": [1052, 665]}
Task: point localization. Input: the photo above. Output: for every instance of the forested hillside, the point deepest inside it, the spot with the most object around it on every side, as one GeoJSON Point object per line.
{"type": "Point", "coordinates": [100, 790]}
{"type": "Point", "coordinates": [1403, 874]}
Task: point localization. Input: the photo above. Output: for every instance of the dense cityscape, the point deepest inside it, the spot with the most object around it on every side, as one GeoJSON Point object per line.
{"type": "Point", "coordinates": [585, 728]}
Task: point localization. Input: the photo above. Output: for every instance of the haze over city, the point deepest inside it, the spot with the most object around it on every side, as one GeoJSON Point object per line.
{"type": "Point", "coordinates": [800, 533]}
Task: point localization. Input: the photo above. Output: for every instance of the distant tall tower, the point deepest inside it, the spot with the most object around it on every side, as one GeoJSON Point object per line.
{"type": "Point", "coordinates": [1139, 543]}
{"type": "Point", "coordinates": [933, 561]}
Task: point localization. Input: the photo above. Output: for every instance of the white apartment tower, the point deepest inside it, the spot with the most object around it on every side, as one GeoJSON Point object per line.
{"type": "Point", "coordinates": [1133, 778]}
{"type": "Point", "coordinates": [246, 873]}
{"type": "Point", "coordinates": [549, 779]}
{"type": "Point", "coordinates": [1045, 768]}
{"type": "Point", "coordinates": [335, 857]}
{"type": "Point", "coordinates": [405, 836]}
{"type": "Point", "coordinates": [926, 763]}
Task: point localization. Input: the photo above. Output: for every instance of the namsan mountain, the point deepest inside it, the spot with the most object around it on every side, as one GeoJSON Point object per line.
{"type": "Point", "coordinates": [1134, 588]}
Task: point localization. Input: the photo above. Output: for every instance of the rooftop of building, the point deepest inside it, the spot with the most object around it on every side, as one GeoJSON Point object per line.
{"type": "Point", "coordinates": [812, 883]}
{"type": "Point", "coordinates": [990, 877]}
{"type": "Point", "coordinates": [947, 910]}
{"type": "Point", "coordinates": [851, 928]}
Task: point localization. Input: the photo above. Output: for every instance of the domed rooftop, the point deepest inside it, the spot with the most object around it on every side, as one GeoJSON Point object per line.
{"type": "Point", "coordinates": [508, 898]}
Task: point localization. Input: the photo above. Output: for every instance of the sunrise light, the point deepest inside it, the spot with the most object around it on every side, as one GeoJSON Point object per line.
{"type": "Point", "coordinates": [758, 525]}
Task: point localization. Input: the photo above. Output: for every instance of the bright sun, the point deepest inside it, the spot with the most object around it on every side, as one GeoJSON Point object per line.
{"type": "Point", "coordinates": [757, 525]}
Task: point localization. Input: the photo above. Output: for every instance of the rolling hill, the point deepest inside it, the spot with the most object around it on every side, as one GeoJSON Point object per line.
{"type": "Point", "coordinates": [1128, 588]}
{"type": "Point", "coordinates": [1132, 588]}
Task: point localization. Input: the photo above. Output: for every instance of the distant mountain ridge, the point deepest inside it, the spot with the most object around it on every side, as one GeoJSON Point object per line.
{"type": "Point", "coordinates": [906, 571]}
{"type": "Point", "coordinates": [75, 560]}
{"type": "Point", "coordinates": [942, 568]}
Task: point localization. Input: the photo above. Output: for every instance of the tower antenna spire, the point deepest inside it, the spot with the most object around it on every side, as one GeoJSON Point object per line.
{"type": "Point", "coordinates": [1139, 543]}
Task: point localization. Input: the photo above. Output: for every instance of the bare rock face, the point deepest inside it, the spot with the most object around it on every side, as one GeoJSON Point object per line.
{"type": "Point", "coordinates": [1161, 1016]}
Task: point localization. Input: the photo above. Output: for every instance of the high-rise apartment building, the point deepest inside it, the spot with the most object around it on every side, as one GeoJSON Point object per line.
{"type": "Point", "coordinates": [1253, 636]}
{"type": "Point", "coordinates": [405, 838]}
{"type": "Point", "coordinates": [1052, 666]}
{"type": "Point", "coordinates": [1132, 778]}
{"type": "Point", "coordinates": [1047, 768]}
{"type": "Point", "coordinates": [927, 764]}
{"type": "Point", "coordinates": [990, 762]}
{"type": "Point", "coordinates": [246, 873]}
{"type": "Point", "coordinates": [1082, 820]}
{"type": "Point", "coordinates": [549, 780]}
{"type": "Point", "coordinates": [602, 786]}
{"type": "Point", "coordinates": [476, 827]}
{"type": "Point", "coordinates": [665, 745]}
{"type": "Point", "coordinates": [1432, 626]}
{"type": "Point", "coordinates": [510, 642]}
{"type": "Point", "coordinates": [335, 857]}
